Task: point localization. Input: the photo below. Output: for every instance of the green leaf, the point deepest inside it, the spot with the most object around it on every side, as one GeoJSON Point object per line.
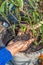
{"type": "Point", "coordinates": [2, 7]}
{"type": "Point", "coordinates": [10, 7]}
{"type": "Point", "coordinates": [17, 14]}
{"type": "Point", "coordinates": [23, 28]}
{"type": "Point", "coordinates": [41, 28]}
{"type": "Point", "coordinates": [36, 43]}
{"type": "Point", "coordinates": [34, 16]}
{"type": "Point", "coordinates": [31, 2]}
{"type": "Point", "coordinates": [18, 3]}
{"type": "Point", "coordinates": [13, 27]}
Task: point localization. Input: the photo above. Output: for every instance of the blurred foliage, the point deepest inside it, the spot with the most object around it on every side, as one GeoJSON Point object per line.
{"type": "Point", "coordinates": [32, 7]}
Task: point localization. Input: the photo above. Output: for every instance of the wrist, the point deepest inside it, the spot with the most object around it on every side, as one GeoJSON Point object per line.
{"type": "Point", "coordinates": [8, 48]}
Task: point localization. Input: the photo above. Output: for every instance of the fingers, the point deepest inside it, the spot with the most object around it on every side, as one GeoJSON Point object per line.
{"type": "Point", "coordinates": [17, 49]}
{"type": "Point", "coordinates": [15, 43]}
{"type": "Point", "coordinates": [18, 43]}
{"type": "Point", "coordinates": [26, 44]}
{"type": "Point", "coordinates": [14, 48]}
{"type": "Point", "coordinates": [29, 41]}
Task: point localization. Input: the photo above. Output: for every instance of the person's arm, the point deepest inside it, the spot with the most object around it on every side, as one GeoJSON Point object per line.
{"type": "Point", "coordinates": [5, 56]}
{"type": "Point", "coordinates": [12, 48]}
{"type": "Point", "coordinates": [7, 53]}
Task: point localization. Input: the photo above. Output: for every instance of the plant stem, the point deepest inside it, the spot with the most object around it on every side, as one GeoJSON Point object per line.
{"type": "Point", "coordinates": [25, 12]}
{"type": "Point", "coordinates": [5, 17]}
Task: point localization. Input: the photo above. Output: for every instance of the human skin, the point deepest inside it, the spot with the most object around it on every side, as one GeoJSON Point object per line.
{"type": "Point", "coordinates": [15, 47]}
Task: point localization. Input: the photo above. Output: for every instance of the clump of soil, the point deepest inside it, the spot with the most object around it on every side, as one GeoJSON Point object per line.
{"type": "Point", "coordinates": [24, 37]}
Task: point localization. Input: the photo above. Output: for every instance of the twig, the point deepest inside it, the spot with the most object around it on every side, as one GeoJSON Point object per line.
{"type": "Point", "coordinates": [35, 26]}
{"type": "Point", "coordinates": [38, 25]}
{"type": "Point", "coordinates": [25, 12]}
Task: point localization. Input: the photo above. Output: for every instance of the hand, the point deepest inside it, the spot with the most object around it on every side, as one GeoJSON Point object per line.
{"type": "Point", "coordinates": [14, 47]}
{"type": "Point", "coordinates": [26, 44]}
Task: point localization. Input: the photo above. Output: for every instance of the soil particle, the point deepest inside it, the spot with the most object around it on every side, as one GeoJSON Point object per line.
{"type": "Point", "coordinates": [24, 37]}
